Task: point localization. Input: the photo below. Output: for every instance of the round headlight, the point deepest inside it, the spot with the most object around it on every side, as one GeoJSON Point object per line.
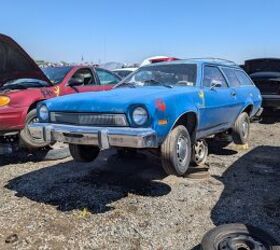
{"type": "Point", "coordinates": [139, 116]}
{"type": "Point", "coordinates": [43, 113]}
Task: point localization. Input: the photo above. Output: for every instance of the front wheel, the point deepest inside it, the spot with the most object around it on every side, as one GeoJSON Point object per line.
{"type": "Point", "coordinates": [83, 153]}
{"type": "Point", "coordinates": [241, 129]}
{"type": "Point", "coordinates": [176, 151]}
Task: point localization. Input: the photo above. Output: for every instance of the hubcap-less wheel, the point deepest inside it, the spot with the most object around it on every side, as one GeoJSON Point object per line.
{"type": "Point", "coordinates": [34, 120]}
{"type": "Point", "coordinates": [241, 129]}
{"type": "Point", "coordinates": [182, 150]}
{"type": "Point", "coordinates": [240, 242]}
{"type": "Point", "coordinates": [200, 152]}
{"type": "Point", "coordinates": [176, 151]}
{"type": "Point", "coordinates": [238, 237]}
{"type": "Point", "coordinates": [26, 139]}
{"type": "Point", "coordinates": [245, 129]}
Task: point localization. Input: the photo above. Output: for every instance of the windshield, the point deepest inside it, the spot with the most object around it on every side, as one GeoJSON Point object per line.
{"type": "Point", "coordinates": [169, 74]}
{"type": "Point", "coordinates": [56, 74]}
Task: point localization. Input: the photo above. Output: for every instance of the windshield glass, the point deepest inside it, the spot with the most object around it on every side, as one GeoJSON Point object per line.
{"type": "Point", "coordinates": [169, 74]}
{"type": "Point", "coordinates": [56, 74]}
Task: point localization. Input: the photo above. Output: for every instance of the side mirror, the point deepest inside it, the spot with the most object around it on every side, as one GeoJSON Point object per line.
{"type": "Point", "coordinates": [75, 82]}
{"type": "Point", "coordinates": [215, 84]}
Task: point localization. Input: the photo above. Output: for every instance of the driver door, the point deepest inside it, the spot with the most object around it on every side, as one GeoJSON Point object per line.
{"type": "Point", "coordinates": [219, 101]}
{"type": "Point", "coordinates": [87, 80]}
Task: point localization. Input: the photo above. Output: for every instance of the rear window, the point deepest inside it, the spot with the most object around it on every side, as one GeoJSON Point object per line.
{"type": "Point", "coordinates": [243, 78]}
{"type": "Point", "coordinates": [231, 76]}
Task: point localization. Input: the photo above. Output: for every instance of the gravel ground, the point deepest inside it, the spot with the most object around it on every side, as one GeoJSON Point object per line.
{"type": "Point", "coordinates": [129, 203]}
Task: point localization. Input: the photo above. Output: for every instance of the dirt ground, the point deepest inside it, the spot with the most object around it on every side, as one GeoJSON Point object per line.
{"type": "Point", "coordinates": [129, 203]}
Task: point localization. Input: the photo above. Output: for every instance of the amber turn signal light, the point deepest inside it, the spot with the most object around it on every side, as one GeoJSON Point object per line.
{"type": "Point", "coordinates": [4, 100]}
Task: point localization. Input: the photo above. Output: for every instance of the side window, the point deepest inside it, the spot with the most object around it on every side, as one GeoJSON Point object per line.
{"type": "Point", "coordinates": [213, 74]}
{"type": "Point", "coordinates": [243, 78]}
{"type": "Point", "coordinates": [231, 76]}
{"type": "Point", "coordinates": [84, 76]}
{"type": "Point", "coordinates": [106, 77]}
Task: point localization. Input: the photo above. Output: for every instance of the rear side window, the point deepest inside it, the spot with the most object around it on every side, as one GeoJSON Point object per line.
{"type": "Point", "coordinates": [243, 78]}
{"type": "Point", "coordinates": [232, 77]}
{"type": "Point", "coordinates": [213, 74]}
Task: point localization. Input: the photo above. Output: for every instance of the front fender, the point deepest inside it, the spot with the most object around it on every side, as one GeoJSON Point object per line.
{"type": "Point", "coordinates": [176, 107]}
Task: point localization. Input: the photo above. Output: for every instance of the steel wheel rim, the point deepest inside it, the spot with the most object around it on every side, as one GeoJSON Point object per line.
{"type": "Point", "coordinates": [240, 242]}
{"type": "Point", "coordinates": [245, 129]}
{"type": "Point", "coordinates": [35, 119]}
{"type": "Point", "coordinates": [200, 150]}
{"type": "Point", "coordinates": [182, 149]}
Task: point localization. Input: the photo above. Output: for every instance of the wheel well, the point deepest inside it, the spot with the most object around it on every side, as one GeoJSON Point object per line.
{"type": "Point", "coordinates": [33, 106]}
{"type": "Point", "coordinates": [189, 120]}
{"type": "Point", "coordinates": [248, 109]}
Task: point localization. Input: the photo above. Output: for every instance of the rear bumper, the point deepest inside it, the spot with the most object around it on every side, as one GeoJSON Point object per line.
{"type": "Point", "coordinates": [271, 101]}
{"type": "Point", "coordinates": [103, 137]}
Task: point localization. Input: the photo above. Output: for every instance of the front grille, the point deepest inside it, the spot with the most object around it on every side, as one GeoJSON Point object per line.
{"type": "Point", "coordinates": [89, 119]}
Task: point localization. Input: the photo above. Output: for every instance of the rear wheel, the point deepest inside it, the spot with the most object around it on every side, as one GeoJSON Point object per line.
{"type": "Point", "coordinates": [176, 151]}
{"type": "Point", "coordinates": [26, 139]}
{"type": "Point", "coordinates": [241, 129]}
{"type": "Point", "coordinates": [83, 153]}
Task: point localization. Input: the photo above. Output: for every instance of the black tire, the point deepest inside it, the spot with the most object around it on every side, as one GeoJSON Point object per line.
{"type": "Point", "coordinates": [126, 152]}
{"type": "Point", "coordinates": [241, 129]}
{"type": "Point", "coordinates": [238, 236]}
{"type": "Point", "coordinates": [83, 153]}
{"type": "Point", "coordinates": [199, 152]}
{"type": "Point", "coordinates": [25, 138]}
{"type": "Point", "coordinates": [174, 160]}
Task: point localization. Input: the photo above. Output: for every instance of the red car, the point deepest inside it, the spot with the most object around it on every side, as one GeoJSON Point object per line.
{"type": "Point", "coordinates": [23, 84]}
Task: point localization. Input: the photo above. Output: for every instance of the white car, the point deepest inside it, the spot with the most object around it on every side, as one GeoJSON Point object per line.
{"type": "Point", "coordinates": [124, 72]}
{"type": "Point", "coordinates": [157, 59]}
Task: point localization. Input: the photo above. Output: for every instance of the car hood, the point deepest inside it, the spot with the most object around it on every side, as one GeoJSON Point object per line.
{"type": "Point", "coordinates": [116, 101]}
{"type": "Point", "coordinates": [15, 63]}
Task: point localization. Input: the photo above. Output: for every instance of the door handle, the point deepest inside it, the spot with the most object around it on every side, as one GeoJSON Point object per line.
{"type": "Point", "coordinates": [233, 93]}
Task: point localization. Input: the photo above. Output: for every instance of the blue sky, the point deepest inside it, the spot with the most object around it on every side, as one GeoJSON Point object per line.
{"type": "Point", "coordinates": [129, 31]}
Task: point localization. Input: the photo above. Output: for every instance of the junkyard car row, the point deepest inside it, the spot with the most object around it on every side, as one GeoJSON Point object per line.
{"type": "Point", "coordinates": [169, 107]}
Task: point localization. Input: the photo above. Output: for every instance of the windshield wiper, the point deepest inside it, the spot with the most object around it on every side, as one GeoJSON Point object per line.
{"type": "Point", "coordinates": [159, 83]}
{"type": "Point", "coordinates": [14, 86]}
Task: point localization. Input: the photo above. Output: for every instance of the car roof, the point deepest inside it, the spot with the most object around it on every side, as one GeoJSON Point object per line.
{"type": "Point", "coordinates": [200, 61]}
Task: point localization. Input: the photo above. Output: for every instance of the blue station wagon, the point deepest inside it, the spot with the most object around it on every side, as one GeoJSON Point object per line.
{"type": "Point", "coordinates": [168, 107]}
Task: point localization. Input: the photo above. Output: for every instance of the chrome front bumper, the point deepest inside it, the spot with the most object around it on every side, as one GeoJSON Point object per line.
{"type": "Point", "coordinates": [103, 137]}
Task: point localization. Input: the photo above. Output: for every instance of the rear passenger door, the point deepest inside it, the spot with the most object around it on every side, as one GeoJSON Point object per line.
{"type": "Point", "coordinates": [243, 86]}
{"type": "Point", "coordinates": [234, 83]}
{"type": "Point", "coordinates": [219, 101]}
